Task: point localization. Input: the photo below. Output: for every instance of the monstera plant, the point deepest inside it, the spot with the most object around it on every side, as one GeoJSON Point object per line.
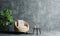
{"type": "Point", "coordinates": [6, 18]}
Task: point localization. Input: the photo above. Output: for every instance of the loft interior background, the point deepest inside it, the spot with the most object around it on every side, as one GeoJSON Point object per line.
{"type": "Point", "coordinates": [45, 13]}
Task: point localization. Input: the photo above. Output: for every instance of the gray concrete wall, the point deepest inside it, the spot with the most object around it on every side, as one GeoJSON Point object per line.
{"type": "Point", "coordinates": [45, 13]}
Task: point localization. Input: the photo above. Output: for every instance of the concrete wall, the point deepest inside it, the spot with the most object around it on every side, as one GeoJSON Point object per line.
{"type": "Point", "coordinates": [45, 13]}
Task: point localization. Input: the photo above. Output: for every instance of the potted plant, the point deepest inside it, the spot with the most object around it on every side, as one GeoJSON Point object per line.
{"type": "Point", "coordinates": [6, 18]}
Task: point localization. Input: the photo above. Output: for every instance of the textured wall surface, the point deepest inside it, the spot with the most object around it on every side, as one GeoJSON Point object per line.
{"type": "Point", "coordinates": [45, 13]}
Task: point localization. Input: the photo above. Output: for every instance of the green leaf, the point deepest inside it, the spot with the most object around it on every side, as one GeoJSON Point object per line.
{"type": "Point", "coordinates": [8, 12]}
{"type": "Point", "coordinates": [10, 19]}
{"type": "Point", "coordinates": [1, 13]}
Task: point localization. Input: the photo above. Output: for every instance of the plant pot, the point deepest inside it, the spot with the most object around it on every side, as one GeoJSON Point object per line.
{"type": "Point", "coordinates": [4, 27]}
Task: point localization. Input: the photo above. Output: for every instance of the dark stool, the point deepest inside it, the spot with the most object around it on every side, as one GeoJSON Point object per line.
{"type": "Point", "coordinates": [37, 30]}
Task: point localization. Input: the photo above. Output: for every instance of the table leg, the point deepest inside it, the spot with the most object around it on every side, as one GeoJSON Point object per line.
{"type": "Point", "coordinates": [40, 31]}
{"type": "Point", "coordinates": [37, 31]}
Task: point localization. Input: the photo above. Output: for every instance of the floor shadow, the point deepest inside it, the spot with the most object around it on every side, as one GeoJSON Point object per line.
{"type": "Point", "coordinates": [13, 32]}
